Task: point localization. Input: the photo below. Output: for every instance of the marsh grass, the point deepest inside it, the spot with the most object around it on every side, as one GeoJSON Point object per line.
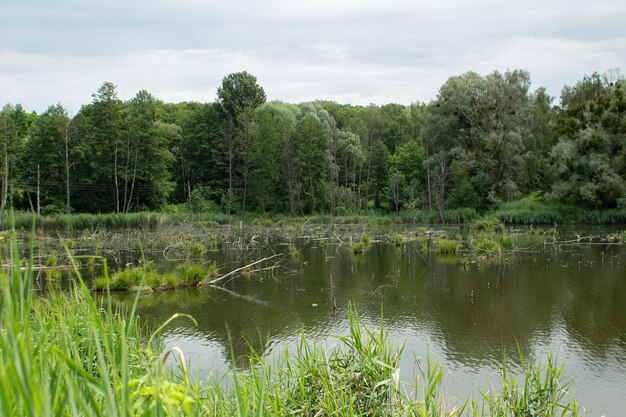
{"type": "Point", "coordinates": [488, 225]}
{"type": "Point", "coordinates": [146, 278]}
{"type": "Point", "coordinates": [195, 250]}
{"type": "Point", "coordinates": [81, 221]}
{"type": "Point", "coordinates": [447, 246]}
{"type": "Point", "coordinates": [542, 390]}
{"type": "Point", "coordinates": [486, 243]}
{"type": "Point", "coordinates": [357, 248]}
{"type": "Point", "coordinates": [534, 210]}
{"type": "Point", "coordinates": [67, 354]}
{"type": "Point", "coordinates": [397, 238]}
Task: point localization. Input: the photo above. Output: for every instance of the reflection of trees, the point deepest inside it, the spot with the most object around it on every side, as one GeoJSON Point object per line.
{"type": "Point", "coordinates": [476, 315]}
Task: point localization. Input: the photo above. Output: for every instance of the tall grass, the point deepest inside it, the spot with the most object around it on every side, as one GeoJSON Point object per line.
{"type": "Point", "coordinates": [534, 211]}
{"type": "Point", "coordinates": [65, 354]}
{"type": "Point", "coordinates": [81, 221]}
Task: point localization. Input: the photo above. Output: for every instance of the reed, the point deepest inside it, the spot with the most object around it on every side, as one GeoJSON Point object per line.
{"type": "Point", "coordinates": [67, 354]}
{"type": "Point", "coordinates": [146, 278]}
{"type": "Point", "coordinates": [358, 248]}
{"type": "Point", "coordinates": [447, 246]}
{"type": "Point", "coordinates": [485, 243]}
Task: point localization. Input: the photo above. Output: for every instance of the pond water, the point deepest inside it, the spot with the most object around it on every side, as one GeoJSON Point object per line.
{"type": "Point", "coordinates": [465, 312]}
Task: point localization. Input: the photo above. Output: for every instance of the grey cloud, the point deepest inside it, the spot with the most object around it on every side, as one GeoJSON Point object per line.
{"type": "Point", "coordinates": [393, 47]}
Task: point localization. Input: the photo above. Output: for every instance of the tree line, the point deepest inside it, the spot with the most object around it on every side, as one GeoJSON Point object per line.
{"type": "Point", "coordinates": [481, 141]}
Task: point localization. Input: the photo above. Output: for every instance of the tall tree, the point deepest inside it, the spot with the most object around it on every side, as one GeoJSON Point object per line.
{"type": "Point", "coordinates": [197, 161]}
{"type": "Point", "coordinates": [97, 134]}
{"type": "Point", "coordinates": [47, 156]}
{"type": "Point", "coordinates": [379, 158]}
{"type": "Point", "coordinates": [350, 159]}
{"type": "Point", "coordinates": [487, 118]}
{"type": "Point", "coordinates": [270, 179]}
{"type": "Point", "coordinates": [237, 98]}
{"type": "Point", "coordinates": [589, 163]}
{"type": "Point", "coordinates": [312, 160]}
{"type": "Point", "coordinates": [14, 128]}
{"type": "Point", "coordinates": [147, 161]}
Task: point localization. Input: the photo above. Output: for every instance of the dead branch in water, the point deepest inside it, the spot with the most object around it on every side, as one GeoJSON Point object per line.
{"type": "Point", "coordinates": [235, 271]}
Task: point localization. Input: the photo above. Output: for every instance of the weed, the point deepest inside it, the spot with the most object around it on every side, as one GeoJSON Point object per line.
{"type": "Point", "coordinates": [195, 250]}
{"type": "Point", "coordinates": [447, 246]}
{"type": "Point", "coordinates": [357, 248]}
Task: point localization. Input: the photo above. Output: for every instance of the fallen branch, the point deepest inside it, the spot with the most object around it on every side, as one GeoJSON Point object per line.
{"type": "Point", "coordinates": [235, 271]}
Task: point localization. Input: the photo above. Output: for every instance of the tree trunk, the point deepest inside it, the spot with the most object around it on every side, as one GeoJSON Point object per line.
{"type": "Point", "coordinates": [67, 171]}
{"type": "Point", "coordinates": [38, 191]}
{"type": "Point", "coordinates": [132, 186]}
{"type": "Point", "coordinates": [5, 182]}
{"type": "Point", "coordinates": [117, 188]}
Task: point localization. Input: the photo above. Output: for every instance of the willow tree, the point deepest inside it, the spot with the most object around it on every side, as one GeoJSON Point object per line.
{"type": "Point", "coordinates": [486, 119]}
{"type": "Point", "coordinates": [589, 161]}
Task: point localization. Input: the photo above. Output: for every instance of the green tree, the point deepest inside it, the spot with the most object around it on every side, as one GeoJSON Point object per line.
{"type": "Point", "coordinates": [409, 161]}
{"type": "Point", "coordinates": [45, 157]}
{"type": "Point", "coordinates": [275, 124]}
{"type": "Point", "coordinates": [146, 173]}
{"type": "Point", "coordinates": [487, 119]}
{"type": "Point", "coordinates": [97, 132]}
{"type": "Point", "coordinates": [350, 158]}
{"type": "Point", "coordinates": [14, 129]}
{"type": "Point", "coordinates": [588, 162]}
{"type": "Point", "coordinates": [311, 163]}
{"type": "Point", "coordinates": [237, 98]}
{"type": "Point", "coordinates": [462, 193]}
{"type": "Point", "coordinates": [197, 160]}
{"type": "Point", "coordinates": [379, 157]}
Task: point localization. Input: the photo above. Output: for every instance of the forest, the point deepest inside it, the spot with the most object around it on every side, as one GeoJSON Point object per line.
{"type": "Point", "coordinates": [484, 140]}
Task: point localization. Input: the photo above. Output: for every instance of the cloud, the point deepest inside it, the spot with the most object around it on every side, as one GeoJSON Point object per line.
{"type": "Point", "coordinates": [356, 51]}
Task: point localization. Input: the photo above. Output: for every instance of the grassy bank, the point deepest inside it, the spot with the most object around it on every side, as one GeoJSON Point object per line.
{"type": "Point", "coordinates": [534, 211]}
{"type": "Point", "coordinates": [68, 354]}
{"type": "Point", "coordinates": [151, 220]}
{"type": "Point", "coordinates": [521, 212]}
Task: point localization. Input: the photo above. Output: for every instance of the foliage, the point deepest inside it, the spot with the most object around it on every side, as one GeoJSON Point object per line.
{"type": "Point", "coordinates": [358, 248]}
{"type": "Point", "coordinates": [483, 144]}
{"type": "Point", "coordinates": [588, 161]}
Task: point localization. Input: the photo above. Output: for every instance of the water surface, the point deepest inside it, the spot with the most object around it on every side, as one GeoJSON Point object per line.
{"type": "Point", "coordinates": [465, 312]}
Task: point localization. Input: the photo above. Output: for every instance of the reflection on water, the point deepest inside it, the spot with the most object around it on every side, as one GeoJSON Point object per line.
{"type": "Point", "coordinates": [568, 299]}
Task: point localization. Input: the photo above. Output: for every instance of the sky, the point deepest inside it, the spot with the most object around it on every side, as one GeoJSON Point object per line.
{"type": "Point", "coordinates": [353, 51]}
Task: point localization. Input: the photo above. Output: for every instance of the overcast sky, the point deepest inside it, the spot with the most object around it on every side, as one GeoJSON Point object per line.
{"type": "Point", "coordinates": [355, 51]}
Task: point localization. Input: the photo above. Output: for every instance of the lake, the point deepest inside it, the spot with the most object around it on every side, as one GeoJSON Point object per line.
{"type": "Point", "coordinates": [467, 312]}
